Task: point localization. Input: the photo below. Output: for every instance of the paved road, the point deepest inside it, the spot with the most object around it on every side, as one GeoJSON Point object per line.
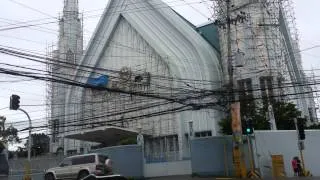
{"type": "Point", "coordinates": [40, 177]}
{"type": "Point", "coordinates": [198, 178]}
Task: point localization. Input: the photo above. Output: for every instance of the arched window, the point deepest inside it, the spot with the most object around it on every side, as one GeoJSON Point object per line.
{"type": "Point", "coordinates": [70, 57]}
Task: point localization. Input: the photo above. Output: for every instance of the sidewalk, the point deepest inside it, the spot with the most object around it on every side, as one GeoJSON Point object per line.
{"type": "Point", "coordinates": [212, 178]}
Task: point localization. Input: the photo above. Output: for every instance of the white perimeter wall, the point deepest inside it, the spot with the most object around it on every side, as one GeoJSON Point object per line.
{"type": "Point", "coordinates": [167, 169]}
{"type": "Point", "coordinates": [285, 143]}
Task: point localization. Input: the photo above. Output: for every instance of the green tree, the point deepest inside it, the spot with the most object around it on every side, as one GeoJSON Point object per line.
{"type": "Point", "coordinates": [22, 152]}
{"type": "Point", "coordinates": [314, 126]}
{"type": "Point", "coordinates": [284, 114]}
{"type": "Point", "coordinates": [257, 115]}
{"type": "Point", "coordinates": [40, 144]}
{"type": "Point", "coordinates": [128, 141]}
{"type": "Point", "coordinates": [225, 126]}
{"type": "Point", "coordinates": [9, 135]}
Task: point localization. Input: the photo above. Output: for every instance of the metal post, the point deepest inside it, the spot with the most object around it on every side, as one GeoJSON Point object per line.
{"type": "Point", "coordinates": [140, 142]}
{"type": "Point", "coordinates": [302, 159]}
{"type": "Point", "coordinates": [250, 153]}
{"type": "Point", "coordinates": [190, 136]}
{"type": "Point", "coordinates": [300, 144]}
{"type": "Point", "coordinates": [29, 143]}
{"type": "Point", "coordinates": [226, 167]}
{"type": "Point", "coordinates": [296, 125]}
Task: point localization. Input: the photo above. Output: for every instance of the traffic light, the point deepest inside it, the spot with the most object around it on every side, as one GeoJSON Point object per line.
{"type": "Point", "coordinates": [248, 127]}
{"type": "Point", "coordinates": [300, 124]}
{"type": "Point", "coordinates": [14, 102]}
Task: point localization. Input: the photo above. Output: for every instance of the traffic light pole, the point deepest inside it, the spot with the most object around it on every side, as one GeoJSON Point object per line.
{"type": "Point", "coordinates": [250, 154]}
{"type": "Point", "coordinates": [300, 144]}
{"type": "Point", "coordinates": [15, 105]}
{"type": "Point", "coordinates": [29, 143]}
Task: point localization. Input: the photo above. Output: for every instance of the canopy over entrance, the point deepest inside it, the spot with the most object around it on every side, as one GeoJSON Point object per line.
{"type": "Point", "coordinates": [107, 135]}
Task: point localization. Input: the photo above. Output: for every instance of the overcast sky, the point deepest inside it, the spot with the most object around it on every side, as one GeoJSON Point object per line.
{"type": "Point", "coordinates": [38, 38]}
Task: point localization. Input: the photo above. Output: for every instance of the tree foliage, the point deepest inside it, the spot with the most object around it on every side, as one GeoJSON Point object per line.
{"type": "Point", "coordinates": [9, 135]}
{"type": "Point", "coordinates": [22, 152]}
{"type": "Point", "coordinates": [40, 144]}
{"type": "Point", "coordinates": [284, 114]}
{"type": "Point", "coordinates": [257, 116]}
{"type": "Point", "coordinates": [314, 126]}
{"type": "Point", "coordinates": [128, 141]}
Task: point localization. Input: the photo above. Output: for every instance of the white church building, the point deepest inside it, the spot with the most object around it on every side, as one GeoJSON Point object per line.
{"type": "Point", "coordinates": [156, 56]}
{"type": "Point", "coordinates": [145, 70]}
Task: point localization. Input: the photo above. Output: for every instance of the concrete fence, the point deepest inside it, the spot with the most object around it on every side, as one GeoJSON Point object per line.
{"type": "Point", "coordinates": [285, 143]}
{"type": "Point", "coordinates": [212, 156]}
{"type": "Point", "coordinates": [38, 166]}
{"type": "Point", "coordinates": [127, 159]}
{"type": "Point", "coordinates": [171, 168]}
{"type": "Point", "coordinates": [209, 156]}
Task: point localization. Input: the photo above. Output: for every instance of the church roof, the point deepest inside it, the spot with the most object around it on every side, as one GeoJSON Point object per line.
{"type": "Point", "coordinates": [128, 27]}
{"type": "Point", "coordinates": [209, 32]}
{"type": "Point", "coordinates": [166, 32]}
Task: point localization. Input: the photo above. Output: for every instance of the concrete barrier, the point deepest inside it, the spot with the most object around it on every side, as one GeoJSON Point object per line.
{"type": "Point", "coordinates": [167, 169]}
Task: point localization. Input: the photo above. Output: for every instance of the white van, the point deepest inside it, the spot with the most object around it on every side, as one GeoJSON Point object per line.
{"type": "Point", "coordinates": [78, 167]}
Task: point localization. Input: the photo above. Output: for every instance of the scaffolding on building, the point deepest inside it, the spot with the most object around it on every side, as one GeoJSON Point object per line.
{"type": "Point", "coordinates": [52, 130]}
{"type": "Point", "coordinates": [268, 39]}
{"type": "Point", "coordinates": [133, 112]}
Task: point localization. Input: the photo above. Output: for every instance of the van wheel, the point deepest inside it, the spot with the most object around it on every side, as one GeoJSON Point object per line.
{"type": "Point", "coordinates": [49, 177]}
{"type": "Point", "coordinates": [82, 175]}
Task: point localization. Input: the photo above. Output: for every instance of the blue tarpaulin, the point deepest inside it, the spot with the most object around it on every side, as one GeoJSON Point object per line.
{"type": "Point", "coordinates": [101, 81]}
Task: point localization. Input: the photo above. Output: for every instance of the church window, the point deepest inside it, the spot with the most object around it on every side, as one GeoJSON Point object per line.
{"type": "Point", "coordinates": [71, 57]}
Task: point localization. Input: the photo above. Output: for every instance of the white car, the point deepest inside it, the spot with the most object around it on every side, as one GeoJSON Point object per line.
{"type": "Point", "coordinates": [78, 167]}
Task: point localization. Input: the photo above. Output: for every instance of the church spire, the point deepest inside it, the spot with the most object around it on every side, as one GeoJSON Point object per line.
{"type": "Point", "coordinates": [70, 33]}
{"type": "Point", "coordinates": [70, 6]}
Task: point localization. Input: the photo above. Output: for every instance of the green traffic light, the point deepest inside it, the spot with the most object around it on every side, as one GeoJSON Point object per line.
{"type": "Point", "coordinates": [248, 130]}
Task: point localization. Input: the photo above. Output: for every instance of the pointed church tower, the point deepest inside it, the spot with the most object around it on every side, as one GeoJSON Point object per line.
{"type": "Point", "coordinates": [70, 49]}
{"type": "Point", "coordinates": [70, 33]}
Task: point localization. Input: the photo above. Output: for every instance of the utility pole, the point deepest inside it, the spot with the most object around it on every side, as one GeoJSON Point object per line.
{"type": "Point", "coordinates": [235, 105]}
{"type": "Point", "coordinates": [300, 137]}
{"type": "Point", "coordinates": [232, 89]}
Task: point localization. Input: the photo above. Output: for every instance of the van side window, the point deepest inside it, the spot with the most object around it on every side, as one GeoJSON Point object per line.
{"type": "Point", "coordinates": [83, 160]}
{"type": "Point", "coordinates": [65, 162]}
{"type": "Point", "coordinates": [102, 159]}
